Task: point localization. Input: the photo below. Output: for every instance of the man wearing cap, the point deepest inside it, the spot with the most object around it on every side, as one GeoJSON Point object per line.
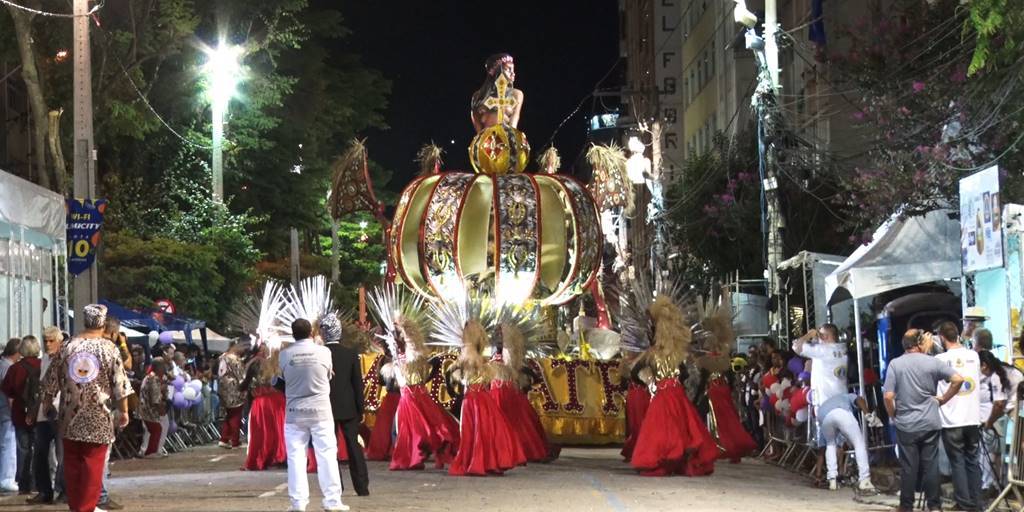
{"type": "Point", "coordinates": [307, 370]}
{"type": "Point", "coordinates": [974, 319]}
{"type": "Point", "coordinates": [88, 374]}
{"type": "Point", "coordinates": [347, 399]}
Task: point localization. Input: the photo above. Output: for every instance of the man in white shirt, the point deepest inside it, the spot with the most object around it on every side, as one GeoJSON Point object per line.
{"type": "Point", "coordinates": [961, 417]}
{"type": "Point", "coordinates": [828, 370]}
{"type": "Point", "coordinates": [307, 371]}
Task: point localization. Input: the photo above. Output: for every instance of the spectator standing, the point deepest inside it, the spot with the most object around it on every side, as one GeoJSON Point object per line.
{"type": "Point", "coordinates": [910, 400]}
{"type": "Point", "coordinates": [961, 417]}
{"type": "Point", "coordinates": [307, 370]}
{"type": "Point", "coordinates": [347, 399]}
{"type": "Point", "coordinates": [153, 407]}
{"type": "Point", "coordinates": [46, 430]}
{"type": "Point", "coordinates": [837, 419]}
{"type": "Point", "coordinates": [8, 440]}
{"type": "Point", "coordinates": [230, 374]}
{"type": "Point", "coordinates": [992, 406]}
{"type": "Point", "coordinates": [90, 377]}
{"type": "Point", "coordinates": [828, 369]}
{"type": "Point", "coordinates": [21, 385]}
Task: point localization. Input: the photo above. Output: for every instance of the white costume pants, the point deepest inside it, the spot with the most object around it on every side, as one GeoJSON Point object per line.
{"type": "Point", "coordinates": [325, 445]}
{"type": "Point", "coordinates": [841, 421]}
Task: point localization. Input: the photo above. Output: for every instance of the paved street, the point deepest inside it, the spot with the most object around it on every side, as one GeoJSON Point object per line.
{"type": "Point", "coordinates": [584, 479]}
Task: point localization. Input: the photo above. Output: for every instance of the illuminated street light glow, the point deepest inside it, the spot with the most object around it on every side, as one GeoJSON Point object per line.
{"type": "Point", "coordinates": [224, 70]}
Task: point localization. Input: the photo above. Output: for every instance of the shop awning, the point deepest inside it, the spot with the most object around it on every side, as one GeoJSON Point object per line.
{"type": "Point", "coordinates": [903, 252]}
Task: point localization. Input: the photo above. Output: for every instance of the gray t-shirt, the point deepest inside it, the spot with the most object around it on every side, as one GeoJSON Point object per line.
{"type": "Point", "coordinates": [307, 370]}
{"type": "Point", "coordinates": [5, 409]}
{"type": "Point", "coordinates": [914, 377]}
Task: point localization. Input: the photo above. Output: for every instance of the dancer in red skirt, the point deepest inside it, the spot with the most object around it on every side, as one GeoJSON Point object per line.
{"type": "Point", "coordinates": [381, 442]}
{"type": "Point", "coordinates": [638, 399]}
{"type": "Point", "coordinates": [423, 427]}
{"type": "Point", "coordinates": [508, 362]}
{"type": "Point", "coordinates": [673, 439]}
{"type": "Point", "coordinates": [488, 445]}
{"type": "Point", "coordinates": [735, 441]}
{"type": "Point", "coordinates": [266, 413]}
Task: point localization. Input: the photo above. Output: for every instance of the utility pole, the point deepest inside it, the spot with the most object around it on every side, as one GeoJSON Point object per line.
{"type": "Point", "coordinates": [84, 165]}
{"type": "Point", "coordinates": [775, 222]}
{"type": "Point", "coordinates": [293, 261]}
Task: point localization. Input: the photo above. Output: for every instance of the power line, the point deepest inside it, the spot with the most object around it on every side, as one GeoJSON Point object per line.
{"type": "Point", "coordinates": [92, 11]}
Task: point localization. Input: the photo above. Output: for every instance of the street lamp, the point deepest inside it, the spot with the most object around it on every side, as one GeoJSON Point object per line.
{"type": "Point", "coordinates": [223, 72]}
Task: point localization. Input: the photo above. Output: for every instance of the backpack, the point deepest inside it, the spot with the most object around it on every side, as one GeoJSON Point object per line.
{"type": "Point", "coordinates": [30, 393]}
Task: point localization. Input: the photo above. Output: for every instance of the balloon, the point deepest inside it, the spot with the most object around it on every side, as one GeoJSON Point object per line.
{"type": "Point", "coordinates": [795, 365]}
{"type": "Point", "coordinates": [195, 384]}
{"type": "Point", "coordinates": [801, 415]}
{"type": "Point", "coordinates": [198, 402]}
{"type": "Point", "coordinates": [775, 389]}
{"type": "Point", "coordinates": [153, 337]}
{"type": "Point", "coordinates": [804, 376]}
{"type": "Point", "coordinates": [179, 400]}
{"type": "Point", "coordinates": [172, 427]}
{"type": "Point", "coordinates": [166, 338]}
{"type": "Point", "coordinates": [179, 383]}
{"type": "Point", "coordinates": [189, 393]}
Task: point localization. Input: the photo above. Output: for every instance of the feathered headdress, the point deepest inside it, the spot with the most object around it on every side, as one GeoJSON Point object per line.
{"type": "Point", "coordinates": [257, 315]}
{"type": "Point", "coordinates": [401, 319]}
{"type": "Point", "coordinates": [610, 186]}
{"type": "Point", "coordinates": [713, 332]}
{"type": "Point", "coordinates": [635, 319]}
{"type": "Point", "coordinates": [311, 300]}
{"type": "Point", "coordinates": [429, 158]}
{"type": "Point", "coordinates": [351, 188]}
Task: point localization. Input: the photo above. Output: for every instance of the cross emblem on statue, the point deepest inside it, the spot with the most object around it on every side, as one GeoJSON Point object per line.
{"type": "Point", "coordinates": [501, 101]}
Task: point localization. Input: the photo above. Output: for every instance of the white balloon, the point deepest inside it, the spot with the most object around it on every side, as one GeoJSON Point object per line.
{"type": "Point", "coordinates": [801, 415]}
{"type": "Point", "coordinates": [153, 337]}
{"type": "Point", "coordinates": [775, 389]}
{"type": "Point", "coordinates": [190, 393]}
{"type": "Point", "coordinates": [195, 384]}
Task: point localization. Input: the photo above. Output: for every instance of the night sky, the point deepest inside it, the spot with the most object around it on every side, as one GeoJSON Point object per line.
{"type": "Point", "coordinates": [433, 53]}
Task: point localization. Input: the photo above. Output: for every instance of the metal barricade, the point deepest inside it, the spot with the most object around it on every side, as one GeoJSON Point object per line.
{"type": "Point", "coordinates": [1014, 471]}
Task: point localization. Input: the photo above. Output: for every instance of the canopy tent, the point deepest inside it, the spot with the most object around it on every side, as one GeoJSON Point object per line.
{"type": "Point", "coordinates": [146, 320]}
{"type": "Point", "coordinates": [214, 342]}
{"type": "Point", "coordinates": [903, 252]}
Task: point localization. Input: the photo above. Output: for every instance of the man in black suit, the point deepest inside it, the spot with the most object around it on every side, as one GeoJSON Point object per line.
{"type": "Point", "coordinates": [347, 399]}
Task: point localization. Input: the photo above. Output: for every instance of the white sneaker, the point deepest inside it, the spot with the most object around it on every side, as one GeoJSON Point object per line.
{"type": "Point", "coordinates": [833, 484]}
{"type": "Point", "coordinates": [339, 508]}
{"type": "Point", "coordinates": [866, 488]}
{"type": "Point", "coordinates": [222, 444]}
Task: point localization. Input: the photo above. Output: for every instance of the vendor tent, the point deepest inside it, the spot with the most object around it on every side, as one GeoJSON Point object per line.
{"type": "Point", "coordinates": [903, 252]}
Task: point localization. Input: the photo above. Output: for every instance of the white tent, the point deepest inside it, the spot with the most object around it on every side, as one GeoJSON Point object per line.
{"type": "Point", "coordinates": [903, 252]}
{"type": "Point", "coordinates": [214, 342]}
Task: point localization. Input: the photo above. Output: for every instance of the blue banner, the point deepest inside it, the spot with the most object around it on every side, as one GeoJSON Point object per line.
{"type": "Point", "coordinates": [85, 217]}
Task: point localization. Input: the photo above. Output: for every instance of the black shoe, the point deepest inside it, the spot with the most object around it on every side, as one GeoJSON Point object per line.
{"type": "Point", "coordinates": [61, 498]}
{"type": "Point", "coordinates": [363, 493]}
{"type": "Point", "coordinates": [40, 499]}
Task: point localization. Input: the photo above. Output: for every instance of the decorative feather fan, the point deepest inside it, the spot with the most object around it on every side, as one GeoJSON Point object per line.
{"type": "Point", "coordinates": [257, 314]}
{"type": "Point", "coordinates": [450, 319]}
{"type": "Point", "coordinates": [634, 320]}
{"type": "Point", "coordinates": [351, 188]}
{"type": "Point", "coordinates": [397, 309]}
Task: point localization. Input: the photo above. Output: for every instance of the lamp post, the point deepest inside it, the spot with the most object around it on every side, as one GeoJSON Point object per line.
{"type": "Point", "coordinates": [223, 72]}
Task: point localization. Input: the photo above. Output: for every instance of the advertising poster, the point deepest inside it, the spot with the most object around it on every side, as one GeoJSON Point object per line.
{"type": "Point", "coordinates": [981, 232]}
{"type": "Point", "coordinates": [85, 217]}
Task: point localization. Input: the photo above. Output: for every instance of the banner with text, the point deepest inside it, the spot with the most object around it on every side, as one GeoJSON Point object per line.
{"type": "Point", "coordinates": [85, 218]}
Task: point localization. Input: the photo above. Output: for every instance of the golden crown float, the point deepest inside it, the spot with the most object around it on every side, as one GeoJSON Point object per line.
{"type": "Point", "coordinates": [521, 237]}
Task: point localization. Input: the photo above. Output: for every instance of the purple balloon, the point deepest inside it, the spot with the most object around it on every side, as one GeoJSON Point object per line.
{"type": "Point", "coordinates": [166, 338]}
{"type": "Point", "coordinates": [179, 383]}
{"type": "Point", "coordinates": [796, 365]}
{"type": "Point", "coordinates": [805, 376]}
{"type": "Point", "coordinates": [179, 400]}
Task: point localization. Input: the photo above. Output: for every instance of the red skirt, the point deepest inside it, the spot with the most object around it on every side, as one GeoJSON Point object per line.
{"type": "Point", "coordinates": [488, 444]}
{"type": "Point", "coordinates": [266, 431]}
{"type": "Point", "coordinates": [673, 439]}
{"type": "Point", "coordinates": [638, 399]}
{"type": "Point", "coordinates": [524, 422]}
{"type": "Point", "coordinates": [731, 435]}
{"type": "Point", "coordinates": [379, 447]}
{"type": "Point", "coordinates": [424, 428]}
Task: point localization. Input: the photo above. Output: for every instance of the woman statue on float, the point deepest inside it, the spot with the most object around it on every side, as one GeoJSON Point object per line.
{"type": "Point", "coordinates": [510, 384]}
{"type": "Point", "coordinates": [486, 101]}
{"type": "Point", "coordinates": [672, 439]}
{"type": "Point", "coordinates": [423, 427]}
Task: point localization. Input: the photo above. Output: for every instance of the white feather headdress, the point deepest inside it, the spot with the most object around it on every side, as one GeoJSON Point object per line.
{"type": "Point", "coordinates": [257, 315]}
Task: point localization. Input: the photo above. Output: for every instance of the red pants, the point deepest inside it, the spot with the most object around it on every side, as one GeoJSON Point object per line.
{"type": "Point", "coordinates": [231, 427]}
{"type": "Point", "coordinates": [83, 474]}
{"type": "Point", "coordinates": [154, 437]}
